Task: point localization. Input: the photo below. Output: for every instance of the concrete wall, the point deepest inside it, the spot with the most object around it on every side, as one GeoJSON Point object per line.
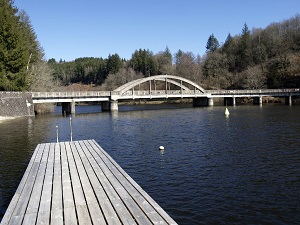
{"type": "Point", "coordinates": [14, 104]}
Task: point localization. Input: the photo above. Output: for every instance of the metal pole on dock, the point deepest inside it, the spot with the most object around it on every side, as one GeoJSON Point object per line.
{"type": "Point", "coordinates": [71, 129]}
{"type": "Point", "coordinates": [56, 133]}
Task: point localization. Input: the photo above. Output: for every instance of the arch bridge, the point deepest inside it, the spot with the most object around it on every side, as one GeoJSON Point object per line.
{"type": "Point", "coordinates": [158, 87]}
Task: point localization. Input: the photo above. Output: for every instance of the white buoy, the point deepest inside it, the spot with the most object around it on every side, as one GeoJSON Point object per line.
{"type": "Point", "coordinates": [227, 112]}
{"type": "Point", "coordinates": [161, 148]}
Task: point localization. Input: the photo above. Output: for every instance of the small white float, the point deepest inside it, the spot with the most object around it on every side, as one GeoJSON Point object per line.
{"type": "Point", "coordinates": [161, 148]}
{"type": "Point", "coordinates": [227, 112]}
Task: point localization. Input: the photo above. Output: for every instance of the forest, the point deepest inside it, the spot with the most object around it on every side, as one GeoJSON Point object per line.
{"type": "Point", "coordinates": [253, 59]}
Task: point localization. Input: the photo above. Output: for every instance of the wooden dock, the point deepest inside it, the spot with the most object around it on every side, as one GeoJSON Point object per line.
{"type": "Point", "coordinates": [79, 183]}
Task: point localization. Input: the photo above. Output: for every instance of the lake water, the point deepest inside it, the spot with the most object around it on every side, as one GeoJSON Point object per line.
{"type": "Point", "coordinates": [241, 169]}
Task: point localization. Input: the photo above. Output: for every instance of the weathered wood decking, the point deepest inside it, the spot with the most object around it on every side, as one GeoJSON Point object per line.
{"type": "Point", "coordinates": [79, 183]}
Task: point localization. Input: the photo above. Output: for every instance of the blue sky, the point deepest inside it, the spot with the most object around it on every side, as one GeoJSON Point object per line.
{"type": "Point", "coordinates": [69, 29]}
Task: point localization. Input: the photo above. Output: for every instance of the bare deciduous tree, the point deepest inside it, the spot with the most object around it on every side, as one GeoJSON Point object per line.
{"type": "Point", "coordinates": [123, 76]}
{"type": "Point", "coordinates": [40, 77]}
{"type": "Point", "coordinates": [254, 78]}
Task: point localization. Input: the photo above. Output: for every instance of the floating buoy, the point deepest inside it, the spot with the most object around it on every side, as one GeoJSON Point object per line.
{"type": "Point", "coordinates": [161, 148]}
{"type": "Point", "coordinates": [226, 112]}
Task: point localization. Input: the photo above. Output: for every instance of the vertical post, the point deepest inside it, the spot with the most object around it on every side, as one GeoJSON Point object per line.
{"type": "Point", "coordinates": [56, 133]}
{"type": "Point", "coordinates": [72, 107]}
{"type": "Point", "coordinates": [166, 86]}
{"type": "Point", "coordinates": [133, 92]}
{"type": "Point", "coordinates": [71, 129]}
{"type": "Point", "coordinates": [260, 100]}
{"type": "Point", "coordinates": [181, 88]}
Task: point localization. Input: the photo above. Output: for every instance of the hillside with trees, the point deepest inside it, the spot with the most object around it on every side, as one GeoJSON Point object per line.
{"type": "Point", "coordinates": [253, 59]}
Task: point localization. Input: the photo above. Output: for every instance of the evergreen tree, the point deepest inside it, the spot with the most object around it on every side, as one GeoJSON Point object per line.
{"type": "Point", "coordinates": [244, 49]}
{"type": "Point", "coordinates": [164, 61]}
{"type": "Point", "coordinates": [229, 49]}
{"type": "Point", "coordinates": [13, 52]}
{"type": "Point", "coordinates": [19, 48]}
{"type": "Point", "coordinates": [114, 63]}
{"type": "Point", "coordinates": [143, 61]}
{"type": "Point", "coordinates": [178, 56]}
{"type": "Point", "coordinates": [212, 44]}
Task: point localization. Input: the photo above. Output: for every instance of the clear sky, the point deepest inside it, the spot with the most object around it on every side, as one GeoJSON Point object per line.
{"type": "Point", "coordinates": [69, 29]}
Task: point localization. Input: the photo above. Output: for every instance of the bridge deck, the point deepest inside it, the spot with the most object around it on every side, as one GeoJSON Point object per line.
{"type": "Point", "coordinates": [79, 183]}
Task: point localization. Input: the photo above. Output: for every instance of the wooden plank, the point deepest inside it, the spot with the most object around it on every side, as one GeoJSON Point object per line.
{"type": "Point", "coordinates": [57, 201]}
{"type": "Point", "coordinates": [83, 215]}
{"type": "Point", "coordinates": [30, 218]}
{"type": "Point", "coordinates": [93, 171]}
{"type": "Point", "coordinates": [114, 198]}
{"type": "Point", "coordinates": [75, 181]}
{"type": "Point", "coordinates": [57, 217]}
{"type": "Point", "coordinates": [45, 204]}
{"type": "Point", "coordinates": [68, 200]}
{"type": "Point", "coordinates": [82, 166]}
{"type": "Point", "coordinates": [34, 201]}
{"type": "Point", "coordinates": [96, 214]}
{"type": "Point", "coordinates": [70, 216]}
{"type": "Point", "coordinates": [131, 205]}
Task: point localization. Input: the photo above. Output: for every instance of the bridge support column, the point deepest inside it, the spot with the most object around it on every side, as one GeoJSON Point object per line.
{"type": "Point", "coordinates": [201, 101]}
{"type": "Point", "coordinates": [72, 107]}
{"type": "Point", "coordinates": [114, 105]}
{"type": "Point", "coordinates": [257, 100]}
{"type": "Point", "coordinates": [66, 108]}
{"type": "Point", "coordinates": [210, 101]}
{"type": "Point", "coordinates": [229, 101]}
{"type": "Point", "coordinates": [288, 100]}
{"type": "Point", "coordinates": [105, 106]}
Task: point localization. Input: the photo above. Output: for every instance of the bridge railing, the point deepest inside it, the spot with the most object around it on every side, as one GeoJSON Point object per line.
{"type": "Point", "coordinates": [255, 91]}
{"type": "Point", "coordinates": [70, 94]}
{"type": "Point", "coordinates": [161, 92]}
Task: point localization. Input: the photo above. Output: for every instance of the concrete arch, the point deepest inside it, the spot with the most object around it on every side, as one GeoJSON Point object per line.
{"type": "Point", "coordinates": [169, 78]}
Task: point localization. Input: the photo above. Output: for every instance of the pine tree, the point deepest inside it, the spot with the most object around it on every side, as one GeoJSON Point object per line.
{"type": "Point", "coordinates": [19, 48]}
{"type": "Point", "coordinates": [212, 44]}
{"type": "Point", "coordinates": [114, 63]}
{"type": "Point", "coordinates": [13, 52]}
{"type": "Point", "coordinates": [244, 49]}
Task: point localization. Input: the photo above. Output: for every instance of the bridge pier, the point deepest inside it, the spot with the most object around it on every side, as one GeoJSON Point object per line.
{"type": "Point", "coordinates": [288, 100]}
{"type": "Point", "coordinates": [66, 108]}
{"type": "Point", "coordinates": [229, 101]}
{"type": "Point", "coordinates": [114, 105]}
{"type": "Point", "coordinates": [105, 106]}
{"type": "Point", "coordinates": [203, 101]}
{"type": "Point", "coordinates": [257, 100]}
{"type": "Point", "coordinates": [72, 107]}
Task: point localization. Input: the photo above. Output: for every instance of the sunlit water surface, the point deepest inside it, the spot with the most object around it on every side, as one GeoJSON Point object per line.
{"type": "Point", "coordinates": [241, 169]}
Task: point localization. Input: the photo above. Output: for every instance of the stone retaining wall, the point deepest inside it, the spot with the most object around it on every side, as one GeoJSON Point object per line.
{"type": "Point", "coordinates": [13, 104]}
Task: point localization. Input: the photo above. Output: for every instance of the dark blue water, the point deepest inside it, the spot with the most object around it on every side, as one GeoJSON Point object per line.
{"type": "Point", "coordinates": [241, 169]}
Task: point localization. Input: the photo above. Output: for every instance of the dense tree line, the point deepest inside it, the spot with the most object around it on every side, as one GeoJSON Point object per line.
{"type": "Point", "coordinates": [257, 58]}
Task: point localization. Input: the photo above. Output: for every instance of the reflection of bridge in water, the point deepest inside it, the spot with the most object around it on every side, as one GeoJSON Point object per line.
{"type": "Point", "coordinates": [158, 87]}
